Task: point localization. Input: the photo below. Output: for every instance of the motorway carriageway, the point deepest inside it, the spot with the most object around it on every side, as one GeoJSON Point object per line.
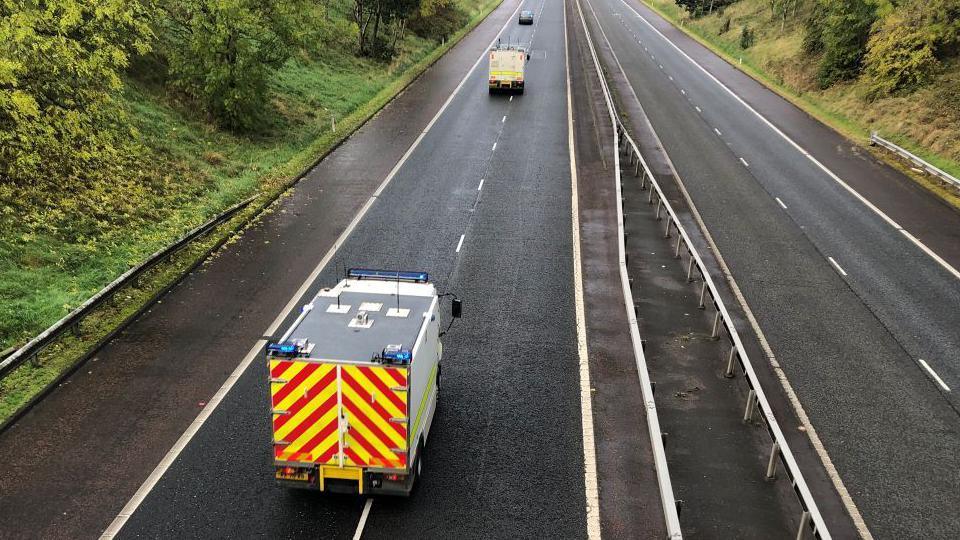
{"type": "Point", "coordinates": [481, 200]}
{"type": "Point", "coordinates": [860, 314]}
{"type": "Point", "coordinates": [507, 429]}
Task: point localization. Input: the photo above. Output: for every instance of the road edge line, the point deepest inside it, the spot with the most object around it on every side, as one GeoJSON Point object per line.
{"type": "Point", "coordinates": [141, 494]}
{"type": "Point", "coordinates": [591, 481]}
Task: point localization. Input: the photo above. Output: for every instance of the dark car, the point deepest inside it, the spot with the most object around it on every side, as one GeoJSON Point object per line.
{"type": "Point", "coordinates": [526, 17]}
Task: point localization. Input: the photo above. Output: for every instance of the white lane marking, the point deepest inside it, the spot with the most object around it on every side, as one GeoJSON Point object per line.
{"type": "Point", "coordinates": [836, 264]}
{"type": "Point", "coordinates": [718, 132]}
{"type": "Point", "coordinates": [481, 184]}
{"type": "Point", "coordinates": [504, 119]}
{"type": "Point", "coordinates": [363, 519]}
{"type": "Point", "coordinates": [494, 149]}
{"type": "Point", "coordinates": [815, 161]}
{"type": "Point", "coordinates": [661, 66]}
{"type": "Point", "coordinates": [682, 91]}
{"type": "Point", "coordinates": [128, 509]}
{"type": "Point", "coordinates": [460, 243]}
{"type": "Point", "coordinates": [798, 409]}
{"type": "Point", "coordinates": [591, 491]}
{"type": "Point", "coordinates": [930, 252]}
{"type": "Point", "coordinates": [745, 164]}
{"type": "Point", "coordinates": [511, 98]}
{"type": "Point", "coordinates": [781, 203]}
{"type": "Point", "coordinates": [934, 374]}
{"type": "Point", "coordinates": [698, 109]}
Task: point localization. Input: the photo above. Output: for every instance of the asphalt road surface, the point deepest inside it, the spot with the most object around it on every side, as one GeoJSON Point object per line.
{"type": "Point", "coordinates": [849, 304]}
{"type": "Point", "coordinates": [505, 457]}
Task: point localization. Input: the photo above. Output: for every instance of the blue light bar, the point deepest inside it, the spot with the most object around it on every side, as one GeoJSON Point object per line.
{"type": "Point", "coordinates": [396, 354]}
{"type": "Point", "coordinates": [391, 275]}
{"type": "Point", "coordinates": [286, 348]}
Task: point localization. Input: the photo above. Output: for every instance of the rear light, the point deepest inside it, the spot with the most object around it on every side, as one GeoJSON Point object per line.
{"type": "Point", "coordinates": [395, 477]}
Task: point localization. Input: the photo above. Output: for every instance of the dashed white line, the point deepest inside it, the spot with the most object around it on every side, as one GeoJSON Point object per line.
{"type": "Point", "coordinates": [745, 164]}
{"type": "Point", "coordinates": [861, 526]}
{"type": "Point", "coordinates": [698, 109]}
{"type": "Point", "coordinates": [781, 203]}
{"type": "Point", "coordinates": [682, 91]}
{"type": "Point", "coordinates": [363, 519]}
{"type": "Point", "coordinates": [504, 119]}
{"type": "Point", "coordinates": [147, 486]}
{"type": "Point", "coordinates": [460, 243]}
{"type": "Point", "coordinates": [837, 265]}
{"type": "Point", "coordinates": [661, 66]}
{"type": "Point", "coordinates": [511, 98]}
{"type": "Point", "coordinates": [481, 184]}
{"type": "Point", "coordinates": [670, 77]}
{"type": "Point", "coordinates": [494, 149]}
{"type": "Point", "coordinates": [934, 374]}
{"type": "Point", "coordinates": [718, 132]}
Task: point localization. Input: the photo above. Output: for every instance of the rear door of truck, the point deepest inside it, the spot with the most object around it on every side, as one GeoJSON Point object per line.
{"type": "Point", "coordinates": [339, 414]}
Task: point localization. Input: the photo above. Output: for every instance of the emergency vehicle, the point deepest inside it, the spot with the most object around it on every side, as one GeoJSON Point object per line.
{"type": "Point", "coordinates": [354, 384]}
{"type": "Point", "coordinates": [507, 67]}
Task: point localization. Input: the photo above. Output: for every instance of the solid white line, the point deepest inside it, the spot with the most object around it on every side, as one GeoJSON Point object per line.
{"type": "Point", "coordinates": [494, 149]}
{"type": "Point", "coordinates": [118, 522]}
{"type": "Point", "coordinates": [781, 203]}
{"type": "Point", "coordinates": [460, 243]}
{"type": "Point", "coordinates": [481, 185]}
{"type": "Point", "coordinates": [839, 268]}
{"type": "Point", "coordinates": [718, 132]}
{"type": "Point", "coordinates": [363, 519]}
{"type": "Point", "coordinates": [934, 374]}
{"type": "Point", "coordinates": [592, 490]}
{"type": "Point", "coordinates": [930, 252]}
{"type": "Point", "coordinates": [698, 109]}
{"type": "Point", "coordinates": [504, 119]}
{"type": "Point", "coordinates": [799, 148]}
{"type": "Point", "coordinates": [745, 164]}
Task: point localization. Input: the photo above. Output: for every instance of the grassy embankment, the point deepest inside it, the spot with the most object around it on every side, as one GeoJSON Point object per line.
{"type": "Point", "coordinates": [926, 122]}
{"type": "Point", "coordinates": [200, 170]}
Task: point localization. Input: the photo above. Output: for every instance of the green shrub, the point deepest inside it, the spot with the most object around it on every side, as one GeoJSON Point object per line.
{"type": "Point", "coordinates": [725, 26]}
{"type": "Point", "coordinates": [746, 37]}
{"type": "Point", "coordinates": [900, 57]}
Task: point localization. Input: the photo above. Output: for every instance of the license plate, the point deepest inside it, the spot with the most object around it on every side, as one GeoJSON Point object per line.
{"type": "Point", "coordinates": [303, 476]}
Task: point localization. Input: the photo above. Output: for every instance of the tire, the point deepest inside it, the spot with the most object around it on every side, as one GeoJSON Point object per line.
{"type": "Point", "coordinates": [439, 378]}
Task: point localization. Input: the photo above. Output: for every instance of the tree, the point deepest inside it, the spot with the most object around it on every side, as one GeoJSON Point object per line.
{"type": "Point", "coordinates": [223, 52]}
{"type": "Point", "coordinates": [379, 13]}
{"type": "Point", "coordinates": [60, 68]}
{"type": "Point", "coordinates": [900, 55]}
{"type": "Point", "coordinates": [844, 34]}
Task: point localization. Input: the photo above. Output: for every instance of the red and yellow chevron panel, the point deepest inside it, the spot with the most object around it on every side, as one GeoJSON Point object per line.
{"type": "Point", "coordinates": [307, 411]}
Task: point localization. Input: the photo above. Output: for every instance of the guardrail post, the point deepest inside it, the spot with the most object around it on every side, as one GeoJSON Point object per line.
{"type": "Point", "coordinates": [715, 334]}
{"type": "Point", "coordinates": [804, 525]}
{"type": "Point", "coordinates": [729, 372]}
{"type": "Point", "coordinates": [643, 181]}
{"type": "Point", "coordinates": [690, 269]}
{"type": "Point", "coordinates": [751, 402]}
{"type": "Point", "coordinates": [703, 292]}
{"type": "Point", "coordinates": [676, 252]}
{"type": "Point", "coordinates": [636, 171]}
{"type": "Point", "coordinates": [650, 197]}
{"type": "Point", "coordinates": [666, 232]}
{"type": "Point", "coordinates": [772, 464]}
{"type": "Point", "coordinates": [659, 200]}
